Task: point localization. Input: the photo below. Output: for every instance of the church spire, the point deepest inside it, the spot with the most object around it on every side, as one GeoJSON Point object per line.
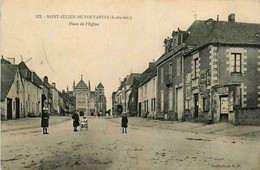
{"type": "Point", "coordinates": [89, 85]}
{"type": "Point", "coordinates": [81, 77]}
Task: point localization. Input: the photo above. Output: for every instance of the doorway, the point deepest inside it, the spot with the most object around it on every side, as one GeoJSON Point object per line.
{"type": "Point", "coordinates": [140, 108]}
{"type": "Point", "coordinates": [17, 107]}
{"type": "Point", "coordinates": [196, 105]}
{"type": "Point", "coordinates": [9, 108]}
{"type": "Point", "coordinates": [224, 108]}
{"type": "Point", "coordinates": [179, 102]}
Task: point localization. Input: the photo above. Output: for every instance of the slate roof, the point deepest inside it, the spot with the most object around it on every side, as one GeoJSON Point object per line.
{"type": "Point", "coordinates": [122, 84]}
{"type": "Point", "coordinates": [207, 32]}
{"type": "Point", "coordinates": [100, 86]}
{"type": "Point", "coordinates": [37, 80]}
{"type": "Point", "coordinates": [131, 77]}
{"type": "Point", "coordinates": [148, 77]}
{"type": "Point", "coordinates": [48, 85]}
{"type": "Point", "coordinates": [223, 32]}
{"type": "Point", "coordinates": [149, 73]}
{"type": "Point", "coordinates": [4, 61]}
{"type": "Point", "coordinates": [8, 72]}
{"type": "Point", "coordinates": [81, 84]}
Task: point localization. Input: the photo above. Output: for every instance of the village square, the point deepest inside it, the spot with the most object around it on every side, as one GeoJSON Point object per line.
{"type": "Point", "coordinates": [123, 95]}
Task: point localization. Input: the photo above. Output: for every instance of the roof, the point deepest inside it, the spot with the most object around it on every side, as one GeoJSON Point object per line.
{"type": "Point", "coordinates": [122, 84]}
{"type": "Point", "coordinates": [48, 85]}
{"type": "Point", "coordinates": [205, 32]}
{"type": "Point", "coordinates": [132, 77]}
{"type": "Point", "coordinates": [100, 86]}
{"type": "Point", "coordinates": [223, 32]}
{"type": "Point", "coordinates": [149, 73]}
{"type": "Point", "coordinates": [148, 77]}
{"type": "Point", "coordinates": [8, 72]}
{"type": "Point", "coordinates": [81, 84]}
{"type": "Point", "coordinates": [37, 80]}
{"type": "Point", "coordinates": [4, 61]}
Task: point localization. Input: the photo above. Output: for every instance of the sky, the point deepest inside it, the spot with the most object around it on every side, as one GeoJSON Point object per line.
{"type": "Point", "coordinates": [57, 48]}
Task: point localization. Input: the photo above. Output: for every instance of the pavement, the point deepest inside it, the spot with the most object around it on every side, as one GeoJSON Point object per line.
{"type": "Point", "coordinates": [104, 146]}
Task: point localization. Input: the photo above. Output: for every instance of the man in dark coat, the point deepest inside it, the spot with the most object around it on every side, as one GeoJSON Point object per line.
{"type": "Point", "coordinates": [45, 120]}
{"type": "Point", "coordinates": [75, 118]}
{"type": "Point", "coordinates": [124, 123]}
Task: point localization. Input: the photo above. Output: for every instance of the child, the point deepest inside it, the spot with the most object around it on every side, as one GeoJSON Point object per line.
{"type": "Point", "coordinates": [124, 123]}
{"type": "Point", "coordinates": [75, 118]}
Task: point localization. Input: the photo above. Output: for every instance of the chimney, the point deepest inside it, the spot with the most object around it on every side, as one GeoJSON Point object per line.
{"type": "Point", "coordinates": [217, 17]}
{"type": "Point", "coordinates": [231, 18]}
{"type": "Point", "coordinates": [151, 64]}
{"type": "Point", "coordinates": [45, 79]}
{"type": "Point", "coordinates": [54, 85]}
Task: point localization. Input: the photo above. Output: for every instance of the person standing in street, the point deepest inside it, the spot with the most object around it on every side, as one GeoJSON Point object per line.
{"type": "Point", "coordinates": [45, 120]}
{"type": "Point", "coordinates": [75, 118]}
{"type": "Point", "coordinates": [124, 123]}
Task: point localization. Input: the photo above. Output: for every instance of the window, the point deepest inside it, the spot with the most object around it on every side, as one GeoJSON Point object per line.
{"type": "Point", "coordinates": [162, 71]}
{"type": "Point", "coordinates": [170, 98]}
{"type": "Point", "coordinates": [178, 67]}
{"type": "Point", "coordinates": [145, 108]}
{"type": "Point", "coordinates": [145, 88]}
{"type": "Point", "coordinates": [196, 67]}
{"type": "Point", "coordinates": [235, 62]}
{"type": "Point", "coordinates": [153, 104]}
{"type": "Point", "coordinates": [205, 104]}
{"type": "Point", "coordinates": [147, 103]}
{"type": "Point", "coordinates": [170, 68]}
{"type": "Point", "coordinates": [17, 86]}
{"type": "Point", "coordinates": [162, 100]}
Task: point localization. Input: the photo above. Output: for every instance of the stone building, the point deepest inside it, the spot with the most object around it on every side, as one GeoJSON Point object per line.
{"type": "Point", "coordinates": [147, 92]}
{"type": "Point", "coordinates": [210, 72]}
{"type": "Point", "coordinates": [12, 92]}
{"type": "Point", "coordinates": [32, 91]}
{"type": "Point", "coordinates": [89, 102]}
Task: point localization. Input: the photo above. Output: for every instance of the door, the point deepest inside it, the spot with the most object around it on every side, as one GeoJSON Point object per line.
{"type": "Point", "coordinates": [17, 107]}
{"type": "Point", "coordinates": [224, 109]}
{"type": "Point", "coordinates": [9, 108]}
{"type": "Point", "coordinates": [179, 102]}
{"type": "Point", "coordinates": [196, 105]}
{"type": "Point", "coordinates": [140, 108]}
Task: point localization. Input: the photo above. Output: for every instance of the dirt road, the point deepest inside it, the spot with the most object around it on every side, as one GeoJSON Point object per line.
{"type": "Point", "coordinates": [103, 146]}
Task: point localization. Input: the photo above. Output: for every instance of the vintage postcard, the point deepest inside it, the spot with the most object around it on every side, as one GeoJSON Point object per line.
{"type": "Point", "coordinates": [141, 84]}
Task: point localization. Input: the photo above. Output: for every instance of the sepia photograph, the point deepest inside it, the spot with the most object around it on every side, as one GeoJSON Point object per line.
{"type": "Point", "coordinates": [130, 85]}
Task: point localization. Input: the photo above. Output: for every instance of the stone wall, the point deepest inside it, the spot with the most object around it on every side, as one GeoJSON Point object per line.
{"type": "Point", "coordinates": [248, 117]}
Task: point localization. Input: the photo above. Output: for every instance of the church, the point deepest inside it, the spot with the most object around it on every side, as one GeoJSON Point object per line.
{"type": "Point", "coordinates": [89, 103]}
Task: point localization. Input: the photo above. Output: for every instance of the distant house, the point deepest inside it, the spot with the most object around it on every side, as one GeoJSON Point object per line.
{"type": "Point", "coordinates": [32, 91]}
{"type": "Point", "coordinates": [147, 92]}
{"type": "Point", "coordinates": [127, 94]}
{"type": "Point", "coordinates": [100, 99]}
{"type": "Point", "coordinates": [55, 109]}
{"type": "Point", "coordinates": [12, 92]}
{"type": "Point", "coordinates": [117, 103]}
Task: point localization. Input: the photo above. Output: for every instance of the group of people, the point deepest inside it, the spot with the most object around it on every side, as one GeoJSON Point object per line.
{"type": "Point", "coordinates": [76, 121]}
